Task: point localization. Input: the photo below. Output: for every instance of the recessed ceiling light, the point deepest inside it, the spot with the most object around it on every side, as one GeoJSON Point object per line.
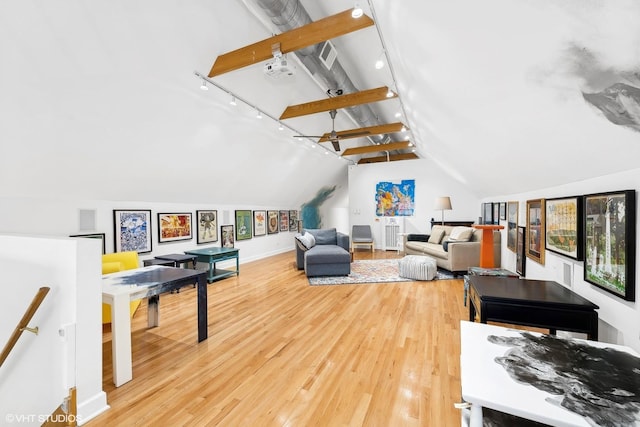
{"type": "Point", "coordinates": [233, 101]}
{"type": "Point", "coordinates": [398, 115]}
{"type": "Point", "coordinates": [357, 11]}
{"type": "Point", "coordinates": [204, 86]}
{"type": "Point", "coordinates": [379, 64]}
{"type": "Point", "coordinates": [390, 94]}
{"type": "Point", "coordinates": [259, 115]}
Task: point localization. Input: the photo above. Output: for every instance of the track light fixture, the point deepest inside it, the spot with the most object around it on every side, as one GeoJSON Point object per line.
{"type": "Point", "coordinates": [390, 93]}
{"type": "Point", "coordinates": [357, 11]}
{"type": "Point", "coordinates": [380, 62]}
{"type": "Point", "coordinates": [233, 101]}
{"type": "Point", "coordinates": [259, 115]}
{"type": "Point", "coordinates": [203, 85]}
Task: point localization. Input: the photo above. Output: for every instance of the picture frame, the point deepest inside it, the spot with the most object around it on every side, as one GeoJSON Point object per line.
{"type": "Point", "coordinates": [487, 213]}
{"type": "Point", "coordinates": [609, 227]}
{"type": "Point", "coordinates": [496, 213]}
{"type": "Point", "coordinates": [243, 224]}
{"type": "Point", "coordinates": [521, 259]}
{"type": "Point", "coordinates": [563, 226]}
{"type": "Point", "coordinates": [259, 223]}
{"type": "Point", "coordinates": [207, 223]}
{"type": "Point", "coordinates": [132, 230]}
{"type": "Point", "coordinates": [503, 211]}
{"type": "Point", "coordinates": [534, 242]}
{"type": "Point", "coordinates": [227, 236]}
{"type": "Point", "coordinates": [100, 236]}
{"type": "Point", "coordinates": [284, 220]}
{"type": "Point", "coordinates": [293, 220]}
{"type": "Point", "coordinates": [173, 227]}
{"type": "Point", "coordinates": [512, 225]}
{"type": "Point", "coordinates": [273, 222]}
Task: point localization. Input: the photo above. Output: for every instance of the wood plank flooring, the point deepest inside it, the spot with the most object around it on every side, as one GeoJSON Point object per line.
{"type": "Point", "coordinates": [283, 353]}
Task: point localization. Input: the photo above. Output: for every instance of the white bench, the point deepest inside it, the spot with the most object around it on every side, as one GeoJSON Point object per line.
{"type": "Point", "coordinates": [418, 267]}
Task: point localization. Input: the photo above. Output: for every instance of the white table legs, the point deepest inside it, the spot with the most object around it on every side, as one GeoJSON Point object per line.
{"type": "Point", "coordinates": [121, 339]}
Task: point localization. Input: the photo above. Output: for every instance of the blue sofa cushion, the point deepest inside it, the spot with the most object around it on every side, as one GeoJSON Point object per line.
{"type": "Point", "coordinates": [324, 236]}
{"type": "Point", "coordinates": [327, 254]}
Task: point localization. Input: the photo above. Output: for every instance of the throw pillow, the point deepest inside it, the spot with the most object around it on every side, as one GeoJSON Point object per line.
{"type": "Point", "coordinates": [305, 241]}
{"type": "Point", "coordinates": [436, 236]}
{"type": "Point", "coordinates": [461, 234]}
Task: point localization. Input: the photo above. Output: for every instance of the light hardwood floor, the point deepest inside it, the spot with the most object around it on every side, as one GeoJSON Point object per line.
{"type": "Point", "coordinates": [283, 353]}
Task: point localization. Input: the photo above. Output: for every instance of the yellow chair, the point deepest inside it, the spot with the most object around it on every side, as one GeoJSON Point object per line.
{"type": "Point", "coordinates": [112, 263]}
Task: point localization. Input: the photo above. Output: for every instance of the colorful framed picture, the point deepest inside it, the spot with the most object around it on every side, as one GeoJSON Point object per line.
{"type": "Point", "coordinates": [207, 230]}
{"type": "Point", "coordinates": [609, 223]}
{"type": "Point", "coordinates": [521, 259]}
{"type": "Point", "coordinates": [259, 223]}
{"type": "Point", "coordinates": [243, 224]}
{"type": "Point", "coordinates": [563, 226]}
{"type": "Point", "coordinates": [284, 220]}
{"type": "Point", "coordinates": [293, 220]}
{"type": "Point", "coordinates": [100, 236]}
{"type": "Point", "coordinates": [512, 225]}
{"type": "Point", "coordinates": [534, 242]}
{"type": "Point", "coordinates": [227, 236]}
{"type": "Point", "coordinates": [173, 227]}
{"type": "Point", "coordinates": [132, 230]}
{"type": "Point", "coordinates": [273, 222]}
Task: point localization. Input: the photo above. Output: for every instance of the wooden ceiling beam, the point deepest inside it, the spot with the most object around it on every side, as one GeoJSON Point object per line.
{"type": "Point", "coordinates": [392, 158]}
{"type": "Point", "coordinates": [392, 146]}
{"type": "Point", "coordinates": [340, 101]}
{"type": "Point", "coordinates": [296, 39]}
{"type": "Point", "coordinates": [366, 131]}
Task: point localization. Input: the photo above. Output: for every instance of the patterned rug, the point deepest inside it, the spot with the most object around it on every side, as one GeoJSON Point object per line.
{"type": "Point", "coordinates": [371, 271]}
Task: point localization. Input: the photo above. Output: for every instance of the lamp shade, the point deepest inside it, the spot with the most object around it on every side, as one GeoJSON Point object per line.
{"type": "Point", "coordinates": [443, 203]}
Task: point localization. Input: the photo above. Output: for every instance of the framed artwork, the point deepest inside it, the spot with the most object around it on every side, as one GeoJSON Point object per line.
{"type": "Point", "coordinates": [293, 220]}
{"type": "Point", "coordinates": [100, 236]}
{"type": "Point", "coordinates": [610, 242]}
{"type": "Point", "coordinates": [207, 226]}
{"type": "Point", "coordinates": [259, 223]}
{"type": "Point", "coordinates": [496, 213]}
{"type": "Point", "coordinates": [512, 225]}
{"type": "Point", "coordinates": [132, 230]}
{"type": "Point", "coordinates": [227, 236]}
{"type": "Point", "coordinates": [563, 226]}
{"type": "Point", "coordinates": [284, 220]}
{"type": "Point", "coordinates": [521, 259]}
{"type": "Point", "coordinates": [534, 242]}
{"type": "Point", "coordinates": [273, 222]}
{"type": "Point", "coordinates": [173, 227]}
{"type": "Point", "coordinates": [243, 224]}
{"type": "Point", "coordinates": [503, 211]}
{"type": "Point", "coordinates": [487, 213]}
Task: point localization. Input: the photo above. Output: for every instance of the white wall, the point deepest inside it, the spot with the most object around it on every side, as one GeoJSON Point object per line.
{"type": "Point", "coordinates": [67, 351]}
{"type": "Point", "coordinates": [431, 182]}
{"type": "Point", "coordinates": [619, 319]}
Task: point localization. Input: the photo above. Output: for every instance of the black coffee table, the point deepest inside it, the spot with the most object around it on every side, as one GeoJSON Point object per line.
{"type": "Point", "coordinates": [539, 303]}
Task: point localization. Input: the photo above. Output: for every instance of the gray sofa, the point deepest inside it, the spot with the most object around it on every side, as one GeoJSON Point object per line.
{"type": "Point", "coordinates": [458, 256]}
{"type": "Point", "coordinates": [327, 254]}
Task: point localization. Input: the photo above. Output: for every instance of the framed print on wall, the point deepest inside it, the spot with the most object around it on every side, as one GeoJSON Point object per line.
{"type": "Point", "coordinates": [243, 224]}
{"type": "Point", "coordinates": [273, 224]}
{"type": "Point", "coordinates": [521, 259]}
{"type": "Point", "coordinates": [487, 213]}
{"type": "Point", "coordinates": [512, 225]}
{"type": "Point", "coordinates": [496, 213]}
{"type": "Point", "coordinates": [132, 230]}
{"type": "Point", "coordinates": [293, 220]}
{"type": "Point", "coordinates": [284, 220]}
{"type": "Point", "coordinates": [100, 236]}
{"type": "Point", "coordinates": [259, 223]}
{"type": "Point", "coordinates": [227, 236]}
{"type": "Point", "coordinates": [534, 242]}
{"type": "Point", "coordinates": [610, 242]}
{"type": "Point", "coordinates": [207, 226]}
{"type": "Point", "coordinates": [563, 226]}
{"type": "Point", "coordinates": [173, 227]}
{"type": "Point", "coordinates": [503, 210]}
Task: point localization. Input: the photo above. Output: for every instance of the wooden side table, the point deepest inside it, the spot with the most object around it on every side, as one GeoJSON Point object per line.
{"type": "Point", "coordinates": [486, 245]}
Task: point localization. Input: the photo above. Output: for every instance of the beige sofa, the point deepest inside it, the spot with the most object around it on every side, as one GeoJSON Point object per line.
{"type": "Point", "coordinates": [459, 255]}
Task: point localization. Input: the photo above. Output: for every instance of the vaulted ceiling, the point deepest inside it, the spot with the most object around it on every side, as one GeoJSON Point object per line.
{"type": "Point", "coordinates": [101, 99]}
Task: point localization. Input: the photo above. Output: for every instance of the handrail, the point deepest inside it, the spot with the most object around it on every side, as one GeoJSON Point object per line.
{"type": "Point", "coordinates": [22, 325]}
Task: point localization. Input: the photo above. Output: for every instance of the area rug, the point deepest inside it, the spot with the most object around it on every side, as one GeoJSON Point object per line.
{"type": "Point", "coordinates": [371, 271]}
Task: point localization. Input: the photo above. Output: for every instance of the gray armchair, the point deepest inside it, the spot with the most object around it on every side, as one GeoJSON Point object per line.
{"type": "Point", "coordinates": [327, 256]}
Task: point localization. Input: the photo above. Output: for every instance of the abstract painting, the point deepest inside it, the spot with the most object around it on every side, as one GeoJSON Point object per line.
{"type": "Point", "coordinates": [395, 199]}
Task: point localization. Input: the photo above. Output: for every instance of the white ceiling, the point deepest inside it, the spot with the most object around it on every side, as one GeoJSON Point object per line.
{"type": "Point", "coordinates": [99, 99]}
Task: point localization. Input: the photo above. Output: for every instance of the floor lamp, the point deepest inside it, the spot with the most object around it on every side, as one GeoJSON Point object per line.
{"type": "Point", "coordinates": [443, 204]}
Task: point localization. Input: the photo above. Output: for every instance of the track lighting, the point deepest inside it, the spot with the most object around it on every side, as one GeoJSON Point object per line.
{"type": "Point", "coordinates": [398, 115]}
{"type": "Point", "coordinates": [357, 11]}
{"type": "Point", "coordinates": [204, 86]}
{"type": "Point", "coordinates": [259, 115]}
{"type": "Point", "coordinates": [233, 101]}
{"type": "Point", "coordinates": [380, 62]}
{"type": "Point", "coordinates": [390, 93]}
{"type": "Point", "coordinates": [404, 129]}
{"type": "Point", "coordinates": [280, 127]}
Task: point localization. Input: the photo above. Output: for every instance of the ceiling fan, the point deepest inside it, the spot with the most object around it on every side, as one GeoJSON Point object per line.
{"type": "Point", "coordinates": [333, 136]}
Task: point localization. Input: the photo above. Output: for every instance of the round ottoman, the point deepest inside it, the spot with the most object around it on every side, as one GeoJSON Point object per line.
{"type": "Point", "coordinates": [418, 267]}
